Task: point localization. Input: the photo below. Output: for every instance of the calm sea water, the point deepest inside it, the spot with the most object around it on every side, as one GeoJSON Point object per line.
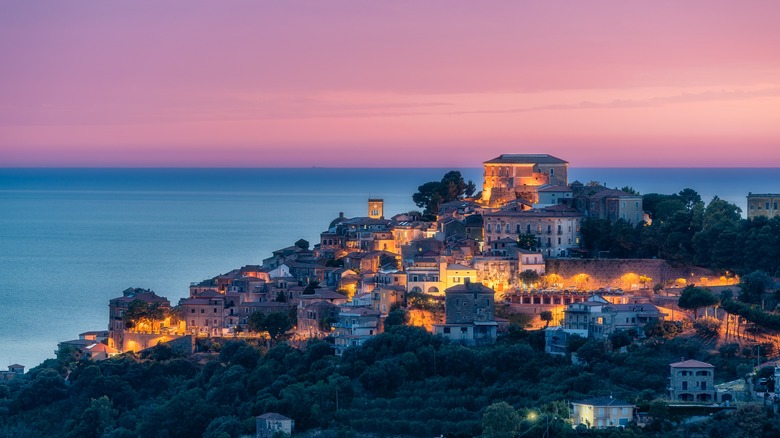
{"type": "Point", "coordinates": [71, 239]}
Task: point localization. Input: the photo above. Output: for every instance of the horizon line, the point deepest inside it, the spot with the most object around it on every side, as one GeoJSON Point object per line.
{"type": "Point", "coordinates": [162, 167]}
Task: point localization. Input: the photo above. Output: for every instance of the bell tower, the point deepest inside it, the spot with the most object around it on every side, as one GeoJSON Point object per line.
{"type": "Point", "coordinates": [376, 208]}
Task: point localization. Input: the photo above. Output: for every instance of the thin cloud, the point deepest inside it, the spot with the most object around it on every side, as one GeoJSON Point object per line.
{"type": "Point", "coordinates": [705, 96]}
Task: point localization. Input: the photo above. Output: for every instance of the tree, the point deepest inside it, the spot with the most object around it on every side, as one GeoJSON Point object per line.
{"type": "Point", "coordinates": [527, 241]}
{"type": "Point", "coordinates": [547, 317]}
{"type": "Point", "coordinates": [694, 298]}
{"type": "Point", "coordinates": [689, 197]}
{"type": "Point", "coordinates": [529, 277]}
{"type": "Point", "coordinates": [754, 286]}
{"type": "Point", "coordinates": [707, 327]}
{"type": "Point", "coordinates": [432, 194]}
{"type": "Point", "coordinates": [471, 188]}
{"type": "Point", "coordinates": [500, 420]}
{"type": "Point", "coordinates": [620, 338]}
{"type": "Point", "coordinates": [396, 317]}
{"type": "Point", "coordinates": [139, 311]}
{"type": "Point", "coordinates": [93, 422]}
{"type": "Point", "coordinates": [662, 329]}
{"type": "Point", "coordinates": [276, 324]}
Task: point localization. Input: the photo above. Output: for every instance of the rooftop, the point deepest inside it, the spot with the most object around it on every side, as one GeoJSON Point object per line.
{"type": "Point", "coordinates": [691, 364]}
{"type": "Point", "coordinates": [526, 159]}
{"type": "Point", "coordinates": [603, 401]}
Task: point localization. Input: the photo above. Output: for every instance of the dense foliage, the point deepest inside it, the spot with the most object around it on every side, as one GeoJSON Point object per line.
{"type": "Point", "coordinates": [434, 193]}
{"type": "Point", "coordinates": [405, 381]}
{"type": "Point", "coordinates": [685, 232]}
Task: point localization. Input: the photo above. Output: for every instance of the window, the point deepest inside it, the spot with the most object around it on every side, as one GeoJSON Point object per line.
{"type": "Point", "coordinates": [488, 228]}
{"type": "Point", "coordinates": [552, 172]}
{"type": "Point", "coordinates": [446, 330]}
{"type": "Point", "coordinates": [202, 310]}
{"type": "Point", "coordinates": [684, 385]}
{"type": "Point", "coordinates": [192, 310]}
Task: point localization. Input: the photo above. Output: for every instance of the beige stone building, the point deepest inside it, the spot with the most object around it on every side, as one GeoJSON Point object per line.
{"type": "Point", "coordinates": [557, 228]}
{"type": "Point", "coordinates": [470, 315]}
{"type": "Point", "coordinates": [692, 380]}
{"type": "Point", "coordinates": [511, 176]}
{"type": "Point", "coordinates": [763, 205]}
{"type": "Point", "coordinates": [203, 314]}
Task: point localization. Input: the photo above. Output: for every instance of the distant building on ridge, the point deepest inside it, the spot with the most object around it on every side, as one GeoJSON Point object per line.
{"type": "Point", "coordinates": [763, 205]}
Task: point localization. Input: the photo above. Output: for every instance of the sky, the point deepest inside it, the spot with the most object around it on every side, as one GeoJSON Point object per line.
{"type": "Point", "coordinates": [190, 83]}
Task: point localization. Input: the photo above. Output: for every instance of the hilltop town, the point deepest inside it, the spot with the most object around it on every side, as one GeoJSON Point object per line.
{"type": "Point", "coordinates": [532, 252]}
{"type": "Point", "coordinates": [345, 286]}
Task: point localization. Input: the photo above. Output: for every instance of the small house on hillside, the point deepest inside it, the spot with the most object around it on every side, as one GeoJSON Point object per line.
{"type": "Point", "coordinates": [270, 423]}
{"type": "Point", "coordinates": [602, 412]}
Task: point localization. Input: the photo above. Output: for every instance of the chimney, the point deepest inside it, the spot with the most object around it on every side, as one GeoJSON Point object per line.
{"type": "Point", "coordinates": [341, 215]}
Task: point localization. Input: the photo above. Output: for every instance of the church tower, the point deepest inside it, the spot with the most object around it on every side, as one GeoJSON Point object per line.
{"type": "Point", "coordinates": [376, 208]}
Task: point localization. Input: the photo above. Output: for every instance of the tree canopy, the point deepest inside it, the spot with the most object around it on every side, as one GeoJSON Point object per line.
{"type": "Point", "coordinates": [451, 187]}
{"type": "Point", "coordinates": [695, 298]}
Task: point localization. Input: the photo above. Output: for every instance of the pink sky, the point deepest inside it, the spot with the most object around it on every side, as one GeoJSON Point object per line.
{"type": "Point", "coordinates": [388, 83]}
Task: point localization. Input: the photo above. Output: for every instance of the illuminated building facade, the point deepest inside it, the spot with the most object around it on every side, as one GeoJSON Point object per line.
{"type": "Point", "coordinates": [511, 176]}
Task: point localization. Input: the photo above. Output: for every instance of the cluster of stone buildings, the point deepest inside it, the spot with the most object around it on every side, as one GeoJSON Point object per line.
{"type": "Point", "coordinates": [365, 266]}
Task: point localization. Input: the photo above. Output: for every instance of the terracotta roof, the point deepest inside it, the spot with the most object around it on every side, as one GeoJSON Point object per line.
{"type": "Point", "coordinates": [526, 159]}
{"type": "Point", "coordinates": [691, 364]}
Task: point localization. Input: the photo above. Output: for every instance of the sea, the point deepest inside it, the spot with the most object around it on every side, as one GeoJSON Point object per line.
{"type": "Point", "coordinates": [72, 239]}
